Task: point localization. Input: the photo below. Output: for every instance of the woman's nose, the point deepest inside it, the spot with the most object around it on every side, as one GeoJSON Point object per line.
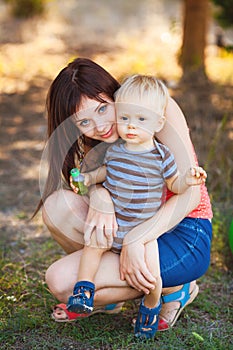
{"type": "Point", "coordinates": [100, 127]}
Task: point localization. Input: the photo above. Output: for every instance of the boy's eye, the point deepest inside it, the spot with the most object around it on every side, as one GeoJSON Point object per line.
{"type": "Point", "coordinates": [84, 122]}
{"type": "Point", "coordinates": [102, 109]}
{"type": "Point", "coordinates": [141, 119]}
{"type": "Point", "coordinates": [124, 118]}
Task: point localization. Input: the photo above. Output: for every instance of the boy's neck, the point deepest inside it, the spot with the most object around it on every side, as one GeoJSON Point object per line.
{"type": "Point", "coordinates": [139, 147]}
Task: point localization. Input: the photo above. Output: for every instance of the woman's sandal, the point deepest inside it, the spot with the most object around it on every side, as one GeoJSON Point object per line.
{"type": "Point", "coordinates": [147, 321]}
{"type": "Point", "coordinates": [184, 298]}
{"type": "Point", "coordinates": [68, 316]}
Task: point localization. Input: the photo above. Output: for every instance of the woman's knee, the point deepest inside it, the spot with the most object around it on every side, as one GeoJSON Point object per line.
{"type": "Point", "coordinates": [61, 206]}
{"type": "Point", "coordinates": [49, 207]}
{"type": "Point", "coordinates": [53, 279]}
{"type": "Point", "coordinates": [50, 279]}
{"type": "Point", "coordinates": [55, 202]}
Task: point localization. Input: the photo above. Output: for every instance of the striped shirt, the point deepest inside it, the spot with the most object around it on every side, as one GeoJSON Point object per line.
{"type": "Point", "coordinates": [136, 182]}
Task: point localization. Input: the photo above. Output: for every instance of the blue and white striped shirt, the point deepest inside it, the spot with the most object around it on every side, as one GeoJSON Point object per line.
{"type": "Point", "coordinates": [136, 182]}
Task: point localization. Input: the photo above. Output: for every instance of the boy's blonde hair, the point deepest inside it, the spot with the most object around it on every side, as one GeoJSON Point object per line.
{"type": "Point", "coordinates": [145, 89]}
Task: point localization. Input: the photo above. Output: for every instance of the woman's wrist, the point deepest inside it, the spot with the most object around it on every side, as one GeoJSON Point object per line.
{"type": "Point", "coordinates": [148, 231]}
{"type": "Point", "coordinates": [94, 189]}
{"type": "Point", "coordinates": [169, 215]}
{"type": "Point", "coordinates": [100, 199]}
{"type": "Point", "coordinates": [133, 238]}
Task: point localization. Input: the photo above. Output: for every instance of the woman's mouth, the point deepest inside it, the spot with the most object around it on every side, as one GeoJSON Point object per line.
{"type": "Point", "coordinates": [107, 134]}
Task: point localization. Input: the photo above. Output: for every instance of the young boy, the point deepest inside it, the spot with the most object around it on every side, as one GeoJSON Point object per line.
{"type": "Point", "coordinates": [136, 172]}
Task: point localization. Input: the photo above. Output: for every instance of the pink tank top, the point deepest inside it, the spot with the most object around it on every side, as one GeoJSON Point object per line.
{"type": "Point", "coordinates": [203, 210]}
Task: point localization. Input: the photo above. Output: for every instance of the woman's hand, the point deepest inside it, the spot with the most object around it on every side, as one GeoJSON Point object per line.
{"type": "Point", "coordinates": [101, 220]}
{"type": "Point", "coordinates": [133, 267]}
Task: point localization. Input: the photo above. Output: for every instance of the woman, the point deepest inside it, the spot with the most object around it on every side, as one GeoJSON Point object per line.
{"type": "Point", "coordinates": [80, 115]}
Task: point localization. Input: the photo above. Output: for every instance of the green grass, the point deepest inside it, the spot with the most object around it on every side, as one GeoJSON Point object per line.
{"type": "Point", "coordinates": [25, 307]}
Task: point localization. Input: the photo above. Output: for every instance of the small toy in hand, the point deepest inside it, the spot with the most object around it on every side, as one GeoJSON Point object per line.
{"type": "Point", "coordinates": [78, 181]}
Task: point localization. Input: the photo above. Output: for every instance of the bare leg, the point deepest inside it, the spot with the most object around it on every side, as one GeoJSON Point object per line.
{"type": "Point", "coordinates": [148, 315]}
{"type": "Point", "coordinates": [82, 299]}
{"type": "Point", "coordinates": [170, 309]}
{"type": "Point", "coordinates": [152, 260]}
{"type": "Point", "coordinates": [64, 213]}
{"type": "Point", "coordinates": [89, 263]}
{"type": "Point", "coordinates": [63, 274]}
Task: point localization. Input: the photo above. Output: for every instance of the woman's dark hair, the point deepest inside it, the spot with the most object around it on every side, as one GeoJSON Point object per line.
{"type": "Point", "coordinates": [81, 77]}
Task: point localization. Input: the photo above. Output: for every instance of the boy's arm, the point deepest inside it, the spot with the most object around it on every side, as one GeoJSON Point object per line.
{"type": "Point", "coordinates": [179, 183]}
{"type": "Point", "coordinates": [96, 176]}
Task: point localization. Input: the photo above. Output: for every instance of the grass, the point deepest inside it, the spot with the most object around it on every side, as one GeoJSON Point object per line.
{"type": "Point", "coordinates": [25, 306]}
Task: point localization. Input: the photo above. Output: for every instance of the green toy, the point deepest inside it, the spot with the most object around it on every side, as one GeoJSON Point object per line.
{"type": "Point", "coordinates": [78, 181]}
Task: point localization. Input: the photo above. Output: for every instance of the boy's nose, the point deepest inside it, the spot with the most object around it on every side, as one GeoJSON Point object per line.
{"type": "Point", "coordinates": [131, 126]}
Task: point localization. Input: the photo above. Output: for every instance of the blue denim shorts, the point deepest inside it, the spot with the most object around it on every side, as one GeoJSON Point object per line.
{"type": "Point", "coordinates": [185, 251]}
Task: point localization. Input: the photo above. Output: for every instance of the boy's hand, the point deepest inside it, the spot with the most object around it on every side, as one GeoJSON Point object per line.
{"type": "Point", "coordinates": [87, 179]}
{"type": "Point", "coordinates": [74, 188]}
{"type": "Point", "coordinates": [87, 182]}
{"type": "Point", "coordinates": [196, 176]}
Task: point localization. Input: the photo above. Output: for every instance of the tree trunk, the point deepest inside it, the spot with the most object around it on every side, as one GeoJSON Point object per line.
{"type": "Point", "coordinates": [192, 57]}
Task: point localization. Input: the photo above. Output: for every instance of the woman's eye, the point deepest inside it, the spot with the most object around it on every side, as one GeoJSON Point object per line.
{"type": "Point", "coordinates": [84, 122]}
{"type": "Point", "coordinates": [124, 118]}
{"type": "Point", "coordinates": [141, 119]}
{"type": "Point", "coordinates": [102, 109]}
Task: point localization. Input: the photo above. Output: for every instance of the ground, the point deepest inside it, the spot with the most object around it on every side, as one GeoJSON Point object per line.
{"type": "Point", "coordinates": [32, 53]}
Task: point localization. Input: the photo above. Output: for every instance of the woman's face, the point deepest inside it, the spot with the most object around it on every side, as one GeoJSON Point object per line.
{"type": "Point", "coordinates": [97, 120]}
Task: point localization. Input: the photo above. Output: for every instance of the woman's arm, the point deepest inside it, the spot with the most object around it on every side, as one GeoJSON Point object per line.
{"type": "Point", "coordinates": [175, 135]}
{"type": "Point", "coordinates": [168, 216]}
{"type": "Point", "coordinates": [101, 219]}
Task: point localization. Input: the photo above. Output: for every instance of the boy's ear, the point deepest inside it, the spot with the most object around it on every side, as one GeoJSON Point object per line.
{"type": "Point", "coordinates": [160, 123]}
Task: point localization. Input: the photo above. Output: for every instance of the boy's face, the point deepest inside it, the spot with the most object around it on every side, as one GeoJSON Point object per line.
{"type": "Point", "coordinates": [137, 124]}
